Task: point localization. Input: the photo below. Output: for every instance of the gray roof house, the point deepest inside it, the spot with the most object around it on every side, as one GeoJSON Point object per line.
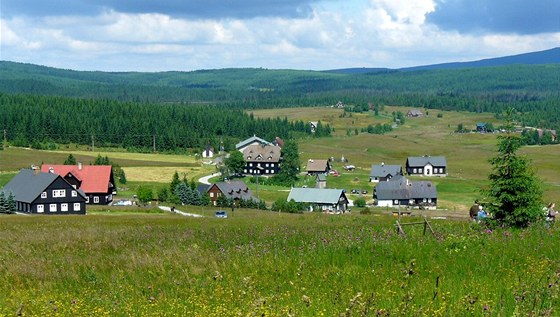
{"type": "Point", "coordinates": [315, 167]}
{"type": "Point", "coordinates": [37, 192]}
{"type": "Point", "coordinates": [241, 146]}
{"type": "Point", "coordinates": [382, 172]}
{"type": "Point", "coordinates": [426, 166]}
{"type": "Point", "coordinates": [235, 190]}
{"type": "Point", "coordinates": [321, 199]}
{"type": "Point", "coordinates": [400, 191]}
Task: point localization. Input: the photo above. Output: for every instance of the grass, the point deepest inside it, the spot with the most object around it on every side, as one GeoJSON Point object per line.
{"type": "Point", "coordinates": [263, 263]}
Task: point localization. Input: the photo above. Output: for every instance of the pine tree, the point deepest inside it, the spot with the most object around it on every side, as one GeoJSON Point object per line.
{"type": "Point", "coordinates": [515, 192]}
{"type": "Point", "coordinates": [181, 191]}
{"type": "Point", "coordinates": [11, 203]}
{"type": "Point", "coordinates": [3, 205]}
{"type": "Point", "coordinates": [174, 182]}
{"type": "Point", "coordinates": [70, 160]}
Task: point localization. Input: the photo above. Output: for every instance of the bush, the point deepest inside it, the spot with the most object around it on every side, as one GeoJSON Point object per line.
{"type": "Point", "coordinates": [360, 202]}
{"type": "Point", "coordinates": [365, 211]}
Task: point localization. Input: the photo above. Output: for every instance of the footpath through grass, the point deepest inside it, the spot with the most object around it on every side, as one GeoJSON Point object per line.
{"type": "Point", "coordinates": [269, 264]}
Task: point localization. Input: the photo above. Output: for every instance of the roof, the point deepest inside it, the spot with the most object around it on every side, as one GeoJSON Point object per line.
{"type": "Point", "coordinates": [425, 160]}
{"type": "Point", "coordinates": [27, 185]}
{"type": "Point", "coordinates": [401, 188]}
{"type": "Point", "coordinates": [317, 165]}
{"type": "Point", "coordinates": [278, 142]}
{"type": "Point", "coordinates": [382, 170]}
{"type": "Point", "coordinates": [316, 195]}
{"type": "Point", "coordinates": [250, 140]}
{"type": "Point", "coordinates": [415, 112]}
{"type": "Point", "coordinates": [235, 190]}
{"type": "Point", "coordinates": [94, 178]}
{"type": "Point", "coordinates": [321, 177]}
{"type": "Point", "coordinates": [260, 153]}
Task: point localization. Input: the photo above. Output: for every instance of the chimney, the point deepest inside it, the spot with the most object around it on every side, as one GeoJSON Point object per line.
{"type": "Point", "coordinates": [51, 170]}
{"type": "Point", "coordinates": [382, 163]}
{"type": "Point", "coordinates": [36, 170]}
{"type": "Point", "coordinates": [79, 166]}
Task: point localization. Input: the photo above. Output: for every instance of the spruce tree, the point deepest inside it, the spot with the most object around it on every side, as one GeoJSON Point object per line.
{"type": "Point", "coordinates": [3, 205]}
{"type": "Point", "coordinates": [70, 160]}
{"type": "Point", "coordinates": [11, 203]}
{"type": "Point", "coordinates": [515, 192]}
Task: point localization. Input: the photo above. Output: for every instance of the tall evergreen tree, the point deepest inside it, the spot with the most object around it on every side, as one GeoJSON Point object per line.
{"type": "Point", "coordinates": [11, 203]}
{"type": "Point", "coordinates": [515, 192]}
{"type": "Point", "coordinates": [289, 166]}
{"type": "Point", "coordinates": [3, 205]}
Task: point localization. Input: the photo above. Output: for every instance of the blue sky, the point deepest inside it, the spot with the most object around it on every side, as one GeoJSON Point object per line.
{"type": "Point", "coordinates": [151, 35]}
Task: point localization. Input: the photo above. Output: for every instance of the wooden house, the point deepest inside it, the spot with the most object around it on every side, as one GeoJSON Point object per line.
{"type": "Point", "coordinates": [36, 192]}
{"type": "Point", "coordinates": [426, 166]}
{"type": "Point", "coordinates": [96, 181]}
{"type": "Point", "coordinates": [236, 190]}
{"type": "Point", "coordinates": [414, 113]}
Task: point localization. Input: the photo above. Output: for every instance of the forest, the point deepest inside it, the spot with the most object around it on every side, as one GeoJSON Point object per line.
{"type": "Point", "coordinates": [43, 121]}
{"type": "Point", "coordinates": [161, 100]}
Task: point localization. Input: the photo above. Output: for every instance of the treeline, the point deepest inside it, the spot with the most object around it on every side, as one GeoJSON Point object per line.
{"type": "Point", "coordinates": [40, 121]}
{"type": "Point", "coordinates": [530, 89]}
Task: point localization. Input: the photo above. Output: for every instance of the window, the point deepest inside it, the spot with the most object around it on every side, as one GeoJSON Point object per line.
{"type": "Point", "coordinates": [44, 195]}
{"type": "Point", "coordinates": [52, 207]}
{"type": "Point", "coordinates": [64, 207]}
{"type": "Point", "coordinates": [414, 171]}
{"type": "Point", "coordinates": [212, 195]}
{"type": "Point", "coordinates": [74, 193]}
{"type": "Point", "coordinates": [40, 208]}
{"type": "Point", "coordinates": [87, 200]}
{"type": "Point", "coordinates": [96, 200]}
{"type": "Point", "coordinates": [77, 207]}
{"type": "Point", "coordinates": [250, 164]}
{"type": "Point", "coordinates": [429, 200]}
{"type": "Point", "coordinates": [396, 202]}
{"type": "Point", "coordinates": [272, 172]}
{"type": "Point", "coordinates": [266, 165]}
{"type": "Point", "coordinates": [59, 193]}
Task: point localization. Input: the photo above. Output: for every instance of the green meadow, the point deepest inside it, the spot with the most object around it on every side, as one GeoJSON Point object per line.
{"type": "Point", "coordinates": [141, 261]}
{"type": "Point", "coordinates": [260, 263]}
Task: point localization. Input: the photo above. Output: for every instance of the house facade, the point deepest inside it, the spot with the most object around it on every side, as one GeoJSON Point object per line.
{"type": "Point", "coordinates": [315, 167]}
{"type": "Point", "coordinates": [254, 140]}
{"type": "Point", "coordinates": [332, 200]}
{"type": "Point", "coordinates": [236, 190]}
{"type": "Point", "coordinates": [383, 173]}
{"type": "Point", "coordinates": [414, 113]}
{"type": "Point", "coordinates": [401, 192]}
{"type": "Point", "coordinates": [261, 159]}
{"type": "Point", "coordinates": [426, 166]}
{"type": "Point", "coordinates": [36, 192]}
{"type": "Point", "coordinates": [208, 152]}
{"type": "Point", "coordinates": [96, 181]}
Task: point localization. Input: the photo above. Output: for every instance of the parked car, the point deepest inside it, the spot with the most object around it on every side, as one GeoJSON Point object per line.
{"type": "Point", "coordinates": [122, 203]}
{"type": "Point", "coordinates": [349, 167]}
{"type": "Point", "coordinates": [354, 191]}
{"type": "Point", "coordinates": [221, 214]}
{"type": "Point", "coordinates": [333, 173]}
{"type": "Point", "coordinates": [364, 191]}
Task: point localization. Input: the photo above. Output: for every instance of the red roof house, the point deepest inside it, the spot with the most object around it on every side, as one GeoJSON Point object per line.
{"type": "Point", "coordinates": [96, 181]}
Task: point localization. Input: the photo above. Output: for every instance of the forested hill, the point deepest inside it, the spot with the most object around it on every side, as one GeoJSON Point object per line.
{"type": "Point", "coordinates": [531, 89]}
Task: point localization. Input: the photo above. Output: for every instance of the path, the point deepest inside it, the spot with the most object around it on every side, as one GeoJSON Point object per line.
{"type": "Point", "coordinates": [205, 180]}
{"type": "Point", "coordinates": [165, 208]}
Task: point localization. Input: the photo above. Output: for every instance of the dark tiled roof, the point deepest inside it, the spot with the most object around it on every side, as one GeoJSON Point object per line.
{"type": "Point", "coordinates": [235, 190]}
{"type": "Point", "coordinates": [384, 170]}
{"type": "Point", "coordinates": [317, 165]}
{"type": "Point", "coordinates": [425, 160]}
{"type": "Point", "coordinates": [401, 188]}
{"type": "Point", "coordinates": [27, 185]}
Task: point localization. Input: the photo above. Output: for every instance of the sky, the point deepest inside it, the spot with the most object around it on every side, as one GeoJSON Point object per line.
{"type": "Point", "coordinates": [185, 35]}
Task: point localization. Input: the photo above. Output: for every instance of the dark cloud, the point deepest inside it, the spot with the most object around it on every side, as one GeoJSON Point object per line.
{"type": "Point", "coordinates": [501, 16]}
{"type": "Point", "coordinates": [188, 8]}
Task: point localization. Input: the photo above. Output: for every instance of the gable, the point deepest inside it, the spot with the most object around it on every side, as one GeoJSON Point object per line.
{"type": "Point", "coordinates": [421, 161]}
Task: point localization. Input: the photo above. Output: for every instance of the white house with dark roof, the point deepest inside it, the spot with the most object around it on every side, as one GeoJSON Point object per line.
{"type": "Point", "coordinates": [208, 152]}
{"type": "Point", "coordinates": [321, 199]}
{"type": "Point", "coordinates": [426, 166]}
{"type": "Point", "coordinates": [382, 172]}
{"type": "Point", "coordinates": [401, 192]}
{"type": "Point", "coordinates": [36, 192]}
{"type": "Point", "coordinates": [254, 140]}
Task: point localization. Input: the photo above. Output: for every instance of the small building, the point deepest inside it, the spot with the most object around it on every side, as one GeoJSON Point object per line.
{"type": "Point", "coordinates": [278, 142]}
{"type": "Point", "coordinates": [208, 152]}
{"type": "Point", "coordinates": [254, 140]}
{"type": "Point", "coordinates": [36, 192]}
{"type": "Point", "coordinates": [315, 167]}
{"type": "Point", "coordinates": [236, 190]}
{"type": "Point", "coordinates": [400, 192]}
{"type": "Point", "coordinates": [481, 127]}
{"type": "Point", "coordinates": [382, 172]}
{"type": "Point", "coordinates": [321, 199]}
{"type": "Point", "coordinates": [261, 159]}
{"type": "Point", "coordinates": [414, 113]}
{"type": "Point", "coordinates": [426, 166]}
{"type": "Point", "coordinates": [321, 181]}
{"type": "Point", "coordinates": [96, 181]}
{"type": "Point", "coordinates": [313, 126]}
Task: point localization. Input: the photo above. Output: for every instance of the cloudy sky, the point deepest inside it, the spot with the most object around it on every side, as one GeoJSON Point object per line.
{"type": "Point", "coordinates": [160, 35]}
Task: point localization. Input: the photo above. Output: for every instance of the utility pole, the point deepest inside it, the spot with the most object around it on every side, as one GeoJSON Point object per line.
{"type": "Point", "coordinates": [154, 137]}
{"type": "Point", "coordinates": [92, 143]}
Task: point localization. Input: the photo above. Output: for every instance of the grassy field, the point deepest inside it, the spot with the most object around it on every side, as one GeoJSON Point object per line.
{"type": "Point", "coordinates": [269, 264]}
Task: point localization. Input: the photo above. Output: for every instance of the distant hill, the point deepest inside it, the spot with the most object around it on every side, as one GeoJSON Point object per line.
{"type": "Point", "coordinates": [551, 56]}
